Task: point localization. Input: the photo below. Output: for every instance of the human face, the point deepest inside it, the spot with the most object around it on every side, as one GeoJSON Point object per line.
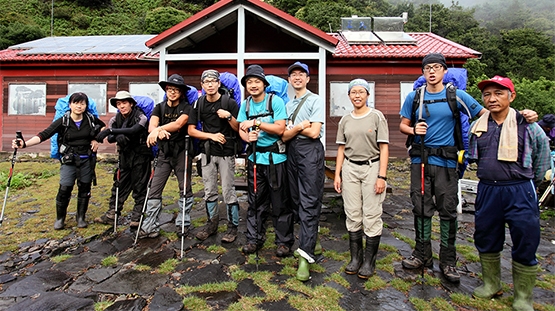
{"type": "Point", "coordinates": [434, 73]}
{"type": "Point", "coordinates": [358, 96]}
{"type": "Point", "coordinates": [211, 86]}
{"type": "Point", "coordinates": [255, 86]}
{"type": "Point", "coordinates": [298, 79]}
{"type": "Point", "coordinates": [78, 107]}
{"type": "Point", "coordinates": [124, 106]}
{"type": "Point", "coordinates": [497, 98]}
{"type": "Point", "coordinates": [173, 93]}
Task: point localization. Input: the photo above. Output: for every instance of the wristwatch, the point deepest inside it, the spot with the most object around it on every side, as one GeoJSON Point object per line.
{"type": "Point", "coordinates": [229, 117]}
{"type": "Point", "coordinates": [257, 123]}
{"type": "Point", "coordinates": [382, 177]}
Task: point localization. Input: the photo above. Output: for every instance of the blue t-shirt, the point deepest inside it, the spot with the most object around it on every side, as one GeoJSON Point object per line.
{"type": "Point", "coordinates": [265, 139]}
{"type": "Point", "coordinates": [441, 125]}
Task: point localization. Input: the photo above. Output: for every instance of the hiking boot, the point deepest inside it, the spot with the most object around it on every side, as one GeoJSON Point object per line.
{"type": "Point", "coordinates": [185, 231]}
{"type": "Point", "coordinates": [143, 234]}
{"type": "Point", "coordinates": [230, 235]}
{"type": "Point", "coordinates": [250, 248]}
{"type": "Point", "coordinates": [415, 263]}
{"type": "Point", "coordinates": [283, 251]}
{"type": "Point", "coordinates": [211, 228]}
{"type": "Point", "coordinates": [106, 219]}
{"type": "Point", "coordinates": [450, 273]}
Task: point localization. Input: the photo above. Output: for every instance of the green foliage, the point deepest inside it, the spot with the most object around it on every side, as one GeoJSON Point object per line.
{"type": "Point", "coordinates": [19, 181]}
{"type": "Point", "coordinates": [328, 19]}
{"type": "Point", "coordinates": [17, 32]}
{"type": "Point", "coordinates": [109, 261]}
{"type": "Point", "coordinates": [160, 19]}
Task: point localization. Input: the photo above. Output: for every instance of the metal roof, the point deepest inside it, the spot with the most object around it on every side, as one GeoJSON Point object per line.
{"type": "Point", "coordinates": [425, 43]}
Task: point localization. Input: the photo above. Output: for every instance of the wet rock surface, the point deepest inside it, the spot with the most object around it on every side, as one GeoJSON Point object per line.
{"type": "Point", "coordinates": [219, 276]}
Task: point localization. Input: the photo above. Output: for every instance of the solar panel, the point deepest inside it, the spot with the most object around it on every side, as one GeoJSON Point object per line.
{"type": "Point", "coordinates": [86, 44]}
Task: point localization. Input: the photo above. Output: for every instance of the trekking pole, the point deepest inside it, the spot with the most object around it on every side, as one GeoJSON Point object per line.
{"type": "Point", "coordinates": [184, 195]}
{"type": "Point", "coordinates": [18, 136]}
{"type": "Point", "coordinates": [117, 199]}
{"type": "Point", "coordinates": [423, 159]}
{"type": "Point", "coordinates": [146, 198]}
{"type": "Point", "coordinates": [256, 222]}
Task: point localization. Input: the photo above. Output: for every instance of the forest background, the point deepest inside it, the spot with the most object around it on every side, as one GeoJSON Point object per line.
{"type": "Point", "coordinates": [516, 37]}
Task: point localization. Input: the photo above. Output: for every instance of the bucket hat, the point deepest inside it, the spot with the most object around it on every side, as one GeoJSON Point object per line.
{"type": "Point", "coordinates": [122, 95]}
{"type": "Point", "coordinates": [175, 80]}
{"type": "Point", "coordinates": [254, 71]}
{"type": "Point", "coordinates": [547, 121]}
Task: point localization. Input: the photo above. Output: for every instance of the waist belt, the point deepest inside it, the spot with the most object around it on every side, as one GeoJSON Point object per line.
{"type": "Point", "coordinates": [367, 162]}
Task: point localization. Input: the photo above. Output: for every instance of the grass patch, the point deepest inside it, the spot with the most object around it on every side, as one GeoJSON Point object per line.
{"type": "Point", "coordinates": [441, 304]}
{"type": "Point", "coordinates": [142, 268]}
{"type": "Point", "coordinates": [324, 231]}
{"type": "Point", "coordinates": [238, 274]}
{"type": "Point", "coordinates": [388, 248]}
{"type": "Point", "coordinates": [102, 305]}
{"type": "Point", "coordinates": [468, 252]}
{"type": "Point", "coordinates": [404, 238]}
{"type": "Point", "coordinates": [420, 304]}
{"type": "Point", "coordinates": [207, 288]}
{"type": "Point", "coordinates": [168, 266]}
{"type": "Point", "coordinates": [318, 298]}
{"type": "Point", "coordinates": [60, 258]}
{"type": "Point", "coordinates": [337, 278]}
{"type": "Point", "coordinates": [334, 255]}
{"type": "Point", "coordinates": [172, 236]}
{"type": "Point", "coordinates": [109, 261]}
{"type": "Point", "coordinates": [288, 270]}
{"type": "Point", "coordinates": [375, 283]}
{"type": "Point", "coordinates": [246, 304]}
{"type": "Point", "coordinates": [501, 304]}
{"type": "Point", "coordinates": [196, 303]}
{"type": "Point", "coordinates": [401, 285]}
{"type": "Point", "coordinates": [198, 222]}
{"type": "Point", "coordinates": [252, 261]}
{"type": "Point", "coordinates": [216, 249]}
{"type": "Point", "coordinates": [432, 281]}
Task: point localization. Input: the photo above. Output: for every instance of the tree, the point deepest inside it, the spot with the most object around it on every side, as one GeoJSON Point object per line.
{"type": "Point", "coordinates": [161, 19]}
{"type": "Point", "coordinates": [328, 19]}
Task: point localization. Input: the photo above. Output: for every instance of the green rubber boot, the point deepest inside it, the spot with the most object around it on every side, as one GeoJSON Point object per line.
{"type": "Point", "coordinates": [317, 249]}
{"type": "Point", "coordinates": [303, 273]}
{"type": "Point", "coordinates": [524, 279]}
{"type": "Point", "coordinates": [491, 276]}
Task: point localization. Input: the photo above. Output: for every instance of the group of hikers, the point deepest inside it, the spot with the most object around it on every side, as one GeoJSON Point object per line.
{"type": "Point", "coordinates": [286, 167]}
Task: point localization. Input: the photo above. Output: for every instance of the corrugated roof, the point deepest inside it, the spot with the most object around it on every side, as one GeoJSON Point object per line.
{"type": "Point", "coordinates": [79, 48]}
{"type": "Point", "coordinates": [426, 43]}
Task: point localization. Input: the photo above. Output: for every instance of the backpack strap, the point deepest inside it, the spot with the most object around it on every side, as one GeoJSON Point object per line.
{"type": "Point", "coordinates": [451, 91]}
{"type": "Point", "coordinates": [269, 108]}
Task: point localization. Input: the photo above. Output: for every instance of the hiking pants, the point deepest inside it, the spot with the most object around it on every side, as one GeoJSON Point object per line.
{"type": "Point", "coordinates": [226, 167]}
{"type": "Point", "coordinates": [305, 170]}
{"type": "Point", "coordinates": [514, 203]}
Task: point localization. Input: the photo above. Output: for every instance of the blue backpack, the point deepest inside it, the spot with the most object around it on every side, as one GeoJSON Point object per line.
{"type": "Point", "coordinates": [62, 107]}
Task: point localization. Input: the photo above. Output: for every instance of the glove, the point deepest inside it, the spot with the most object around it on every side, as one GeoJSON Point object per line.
{"type": "Point", "coordinates": [111, 138]}
{"type": "Point", "coordinates": [100, 137]}
{"type": "Point", "coordinates": [122, 140]}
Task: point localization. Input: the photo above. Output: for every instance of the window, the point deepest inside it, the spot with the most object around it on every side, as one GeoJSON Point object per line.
{"type": "Point", "coordinates": [27, 99]}
{"type": "Point", "coordinates": [406, 88]}
{"type": "Point", "coordinates": [340, 104]}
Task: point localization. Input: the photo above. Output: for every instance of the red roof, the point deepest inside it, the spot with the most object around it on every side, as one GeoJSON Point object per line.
{"type": "Point", "coordinates": [426, 43]}
{"type": "Point", "coordinates": [222, 4]}
{"type": "Point", "coordinates": [12, 55]}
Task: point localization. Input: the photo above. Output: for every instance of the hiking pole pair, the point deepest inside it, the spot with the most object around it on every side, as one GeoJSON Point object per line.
{"type": "Point", "coordinates": [146, 197]}
{"type": "Point", "coordinates": [184, 194]}
{"type": "Point", "coordinates": [18, 137]}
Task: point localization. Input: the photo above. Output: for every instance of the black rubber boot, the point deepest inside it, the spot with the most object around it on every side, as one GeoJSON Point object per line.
{"type": "Point", "coordinates": [355, 245]}
{"type": "Point", "coordinates": [82, 204]}
{"type": "Point", "coordinates": [370, 255]}
{"type": "Point", "coordinates": [62, 202]}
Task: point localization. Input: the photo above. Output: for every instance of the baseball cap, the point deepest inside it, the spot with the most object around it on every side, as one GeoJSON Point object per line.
{"type": "Point", "coordinates": [499, 80]}
{"type": "Point", "coordinates": [298, 65]}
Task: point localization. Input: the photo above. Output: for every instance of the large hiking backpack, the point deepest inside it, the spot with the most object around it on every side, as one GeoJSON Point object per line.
{"type": "Point", "coordinates": [145, 103]}
{"type": "Point", "coordinates": [229, 85]}
{"type": "Point", "coordinates": [454, 78]}
{"type": "Point", "coordinates": [61, 107]}
{"type": "Point", "coordinates": [278, 86]}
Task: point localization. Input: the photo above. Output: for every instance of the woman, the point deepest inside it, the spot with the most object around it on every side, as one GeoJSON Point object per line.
{"type": "Point", "coordinates": [76, 131]}
{"type": "Point", "coordinates": [360, 176]}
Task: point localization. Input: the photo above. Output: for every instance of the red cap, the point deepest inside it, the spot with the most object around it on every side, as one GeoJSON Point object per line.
{"type": "Point", "coordinates": [504, 82]}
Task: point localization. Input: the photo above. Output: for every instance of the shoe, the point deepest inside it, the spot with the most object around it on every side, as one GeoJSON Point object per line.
{"type": "Point", "coordinates": [450, 273]}
{"type": "Point", "coordinates": [133, 224]}
{"type": "Point", "coordinates": [143, 234]}
{"type": "Point", "coordinates": [283, 251]}
{"type": "Point", "coordinates": [230, 235]}
{"type": "Point", "coordinates": [250, 248]}
{"type": "Point", "coordinates": [211, 228]}
{"type": "Point", "coordinates": [105, 219]}
{"type": "Point", "coordinates": [415, 263]}
{"type": "Point", "coordinates": [185, 231]}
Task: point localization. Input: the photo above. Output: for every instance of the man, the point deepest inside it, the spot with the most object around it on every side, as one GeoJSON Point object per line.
{"type": "Point", "coordinates": [305, 162]}
{"type": "Point", "coordinates": [512, 155]}
{"type": "Point", "coordinates": [262, 117]}
{"type": "Point", "coordinates": [168, 129]}
{"type": "Point", "coordinates": [547, 123]}
{"type": "Point", "coordinates": [129, 128]}
{"type": "Point", "coordinates": [441, 179]}
{"type": "Point", "coordinates": [219, 140]}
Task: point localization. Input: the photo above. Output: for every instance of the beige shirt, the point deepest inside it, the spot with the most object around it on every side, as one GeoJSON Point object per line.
{"type": "Point", "coordinates": [361, 135]}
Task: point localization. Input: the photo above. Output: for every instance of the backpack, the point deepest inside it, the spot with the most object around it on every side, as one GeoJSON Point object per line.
{"type": "Point", "coordinates": [146, 104]}
{"type": "Point", "coordinates": [454, 78]}
{"type": "Point", "coordinates": [191, 97]}
{"type": "Point", "coordinates": [277, 87]}
{"type": "Point", "coordinates": [229, 85]}
{"type": "Point", "coordinates": [62, 109]}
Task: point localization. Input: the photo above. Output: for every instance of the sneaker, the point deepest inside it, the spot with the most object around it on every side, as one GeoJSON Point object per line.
{"type": "Point", "coordinates": [143, 234]}
{"type": "Point", "coordinates": [416, 263]}
{"type": "Point", "coordinates": [283, 251]}
{"type": "Point", "coordinates": [107, 219]}
{"type": "Point", "coordinates": [230, 235]}
{"type": "Point", "coordinates": [450, 273]}
{"type": "Point", "coordinates": [185, 231]}
{"type": "Point", "coordinates": [250, 248]}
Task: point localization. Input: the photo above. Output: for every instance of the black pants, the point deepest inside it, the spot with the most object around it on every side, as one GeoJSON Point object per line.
{"type": "Point", "coordinates": [259, 205]}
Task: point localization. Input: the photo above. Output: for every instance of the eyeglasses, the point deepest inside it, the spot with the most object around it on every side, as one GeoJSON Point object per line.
{"type": "Point", "coordinates": [360, 93]}
{"type": "Point", "coordinates": [208, 82]}
{"type": "Point", "coordinates": [435, 67]}
{"type": "Point", "coordinates": [173, 90]}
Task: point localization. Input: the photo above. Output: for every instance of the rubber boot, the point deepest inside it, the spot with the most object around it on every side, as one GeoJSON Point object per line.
{"type": "Point", "coordinates": [82, 204]}
{"type": "Point", "coordinates": [370, 255]}
{"type": "Point", "coordinates": [355, 245]}
{"type": "Point", "coordinates": [317, 249]}
{"type": "Point", "coordinates": [303, 273]}
{"type": "Point", "coordinates": [491, 276]}
{"type": "Point", "coordinates": [524, 279]}
{"type": "Point", "coordinates": [62, 202]}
